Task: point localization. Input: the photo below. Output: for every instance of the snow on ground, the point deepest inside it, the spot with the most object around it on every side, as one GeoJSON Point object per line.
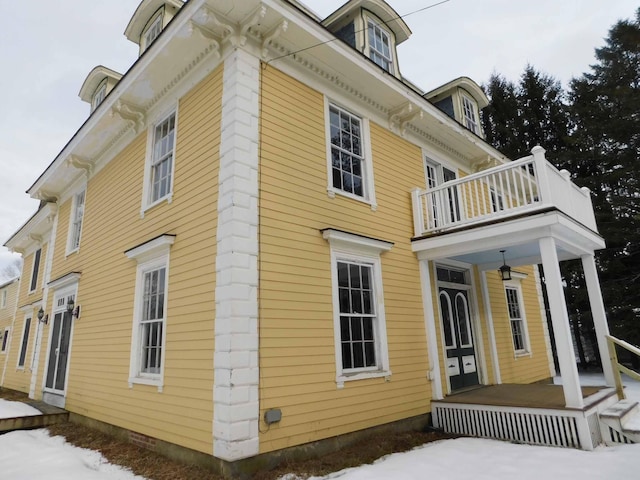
{"type": "Point", "coordinates": [16, 409]}
{"type": "Point", "coordinates": [481, 459]}
{"type": "Point", "coordinates": [34, 454]}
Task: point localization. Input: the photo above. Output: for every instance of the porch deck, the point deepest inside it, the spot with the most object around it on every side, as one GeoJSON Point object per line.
{"type": "Point", "coordinates": [526, 396]}
{"type": "Point", "coordinates": [534, 414]}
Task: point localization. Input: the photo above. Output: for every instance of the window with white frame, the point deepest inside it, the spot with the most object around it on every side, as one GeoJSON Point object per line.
{"type": "Point", "coordinates": [380, 46]}
{"type": "Point", "coordinates": [150, 311]}
{"type": "Point", "coordinates": [469, 115]}
{"type": "Point", "coordinates": [5, 340]}
{"type": "Point", "coordinates": [25, 342]}
{"type": "Point", "coordinates": [350, 173]}
{"type": "Point", "coordinates": [75, 222]}
{"type": "Point", "coordinates": [99, 95]}
{"type": "Point", "coordinates": [517, 319]}
{"type": "Point", "coordinates": [359, 317]}
{"type": "Point", "coordinates": [34, 271]}
{"type": "Point", "coordinates": [3, 298]}
{"type": "Point", "coordinates": [161, 168]}
{"type": "Point", "coordinates": [152, 31]}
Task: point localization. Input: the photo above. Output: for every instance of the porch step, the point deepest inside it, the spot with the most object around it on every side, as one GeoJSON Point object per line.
{"type": "Point", "coordinates": [623, 418]}
{"type": "Point", "coordinates": [50, 416]}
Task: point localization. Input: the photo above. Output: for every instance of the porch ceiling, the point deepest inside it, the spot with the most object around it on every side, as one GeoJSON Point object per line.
{"type": "Point", "coordinates": [519, 237]}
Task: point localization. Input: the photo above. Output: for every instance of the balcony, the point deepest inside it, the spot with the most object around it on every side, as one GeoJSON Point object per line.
{"type": "Point", "coordinates": [524, 187]}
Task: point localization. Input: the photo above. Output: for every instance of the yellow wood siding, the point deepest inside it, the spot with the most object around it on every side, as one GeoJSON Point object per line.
{"type": "Point", "coordinates": [525, 368]}
{"type": "Point", "coordinates": [19, 378]}
{"type": "Point", "coordinates": [297, 356]}
{"type": "Point", "coordinates": [101, 343]}
{"type": "Point", "coordinates": [6, 321]}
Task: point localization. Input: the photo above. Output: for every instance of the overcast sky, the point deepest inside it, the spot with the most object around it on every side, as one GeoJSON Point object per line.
{"type": "Point", "coordinates": [47, 49]}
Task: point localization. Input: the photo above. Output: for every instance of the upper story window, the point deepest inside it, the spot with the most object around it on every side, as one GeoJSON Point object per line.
{"type": "Point", "coordinates": [469, 115]}
{"type": "Point", "coordinates": [346, 151]}
{"type": "Point", "coordinates": [152, 31]}
{"type": "Point", "coordinates": [35, 270]}
{"type": "Point", "coordinates": [98, 97]}
{"type": "Point", "coordinates": [75, 223]}
{"type": "Point", "coordinates": [159, 172]}
{"type": "Point", "coordinates": [380, 46]}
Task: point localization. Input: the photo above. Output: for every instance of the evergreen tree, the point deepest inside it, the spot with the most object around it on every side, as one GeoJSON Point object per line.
{"type": "Point", "coordinates": [605, 104]}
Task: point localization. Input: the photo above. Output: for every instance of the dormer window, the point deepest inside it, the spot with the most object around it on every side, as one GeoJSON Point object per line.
{"type": "Point", "coordinates": [469, 114]}
{"type": "Point", "coordinates": [380, 46]}
{"type": "Point", "coordinates": [98, 97]}
{"type": "Point", "coordinates": [153, 30]}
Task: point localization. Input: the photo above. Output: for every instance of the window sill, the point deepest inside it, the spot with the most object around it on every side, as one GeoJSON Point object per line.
{"type": "Point", "coordinates": [349, 377]}
{"type": "Point", "coordinates": [147, 207]}
{"type": "Point", "coordinates": [332, 192]}
{"type": "Point", "coordinates": [154, 382]}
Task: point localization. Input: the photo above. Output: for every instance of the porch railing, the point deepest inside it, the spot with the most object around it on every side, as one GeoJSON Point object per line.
{"type": "Point", "coordinates": [619, 368]}
{"type": "Point", "coordinates": [515, 188]}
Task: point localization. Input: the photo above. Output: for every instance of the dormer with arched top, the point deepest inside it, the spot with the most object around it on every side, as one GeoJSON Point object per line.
{"type": "Point", "coordinates": [373, 28]}
{"type": "Point", "coordinates": [461, 99]}
{"type": "Point", "coordinates": [100, 81]}
{"type": "Point", "coordinates": [149, 20]}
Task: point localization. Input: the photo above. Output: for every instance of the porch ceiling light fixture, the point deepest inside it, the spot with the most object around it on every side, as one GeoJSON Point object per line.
{"type": "Point", "coordinates": [505, 270]}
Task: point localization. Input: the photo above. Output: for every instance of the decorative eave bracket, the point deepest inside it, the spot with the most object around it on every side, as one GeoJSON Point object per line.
{"type": "Point", "coordinates": [273, 35]}
{"type": "Point", "coordinates": [80, 164]}
{"type": "Point", "coordinates": [234, 34]}
{"type": "Point", "coordinates": [484, 164]}
{"type": "Point", "coordinates": [130, 113]}
{"type": "Point", "coordinates": [400, 116]}
{"type": "Point", "coordinates": [207, 34]}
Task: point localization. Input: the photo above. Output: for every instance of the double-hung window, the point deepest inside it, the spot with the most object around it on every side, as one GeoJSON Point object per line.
{"type": "Point", "coordinates": [75, 224]}
{"type": "Point", "coordinates": [34, 272]}
{"type": "Point", "coordinates": [152, 31]}
{"type": "Point", "coordinates": [380, 46]}
{"type": "Point", "coordinates": [161, 168]}
{"type": "Point", "coordinates": [517, 320]}
{"type": "Point", "coordinates": [5, 340]}
{"type": "Point", "coordinates": [358, 306]}
{"type": "Point", "coordinates": [99, 95]}
{"type": "Point", "coordinates": [469, 115]}
{"type": "Point", "coordinates": [347, 153]}
{"type": "Point", "coordinates": [349, 156]}
{"type": "Point", "coordinates": [25, 342]}
{"type": "Point", "coordinates": [148, 347]}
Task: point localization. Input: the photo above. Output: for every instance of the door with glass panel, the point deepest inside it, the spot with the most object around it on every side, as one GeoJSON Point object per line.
{"type": "Point", "coordinates": [460, 360]}
{"type": "Point", "coordinates": [443, 205]}
{"type": "Point", "coordinates": [56, 373]}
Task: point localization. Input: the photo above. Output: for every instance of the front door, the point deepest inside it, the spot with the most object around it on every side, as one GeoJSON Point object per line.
{"type": "Point", "coordinates": [458, 338]}
{"type": "Point", "coordinates": [58, 352]}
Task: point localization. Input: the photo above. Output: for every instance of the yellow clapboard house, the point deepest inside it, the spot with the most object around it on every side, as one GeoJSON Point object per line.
{"type": "Point", "coordinates": [264, 236]}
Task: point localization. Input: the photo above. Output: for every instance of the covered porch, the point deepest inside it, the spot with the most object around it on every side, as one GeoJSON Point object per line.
{"type": "Point", "coordinates": [535, 414]}
{"type": "Point", "coordinates": [532, 214]}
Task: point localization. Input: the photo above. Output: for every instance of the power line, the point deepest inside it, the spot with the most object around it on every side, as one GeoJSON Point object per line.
{"type": "Point", "coordinates": [358, 31]}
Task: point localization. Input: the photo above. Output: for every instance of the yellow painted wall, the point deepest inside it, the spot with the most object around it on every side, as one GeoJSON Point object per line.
{"type": "Point", "coordinates": [297, 356]}
{"type": "Point", "coordinates": [101, 344]}
{"type": "Point", "coordinates": [19, 378]}
{"type": "Point", "coordinates": [529, 367]}
{"type": "Point", "coordinates": [6, 319]}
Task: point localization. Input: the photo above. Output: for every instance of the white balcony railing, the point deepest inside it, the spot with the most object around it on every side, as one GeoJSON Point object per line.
{"type": "Point", "coordinates": [526, 185]}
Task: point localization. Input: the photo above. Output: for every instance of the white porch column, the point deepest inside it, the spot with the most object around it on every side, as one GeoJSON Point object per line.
{"type": "Point", "coordinates": [560, 321]}
{"type": "Point", "coordinates": [236, 370]}
{"type": "Point", "coordinates": [430, 327]}
{"type": "Point", "coordinates": [598, 314]}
